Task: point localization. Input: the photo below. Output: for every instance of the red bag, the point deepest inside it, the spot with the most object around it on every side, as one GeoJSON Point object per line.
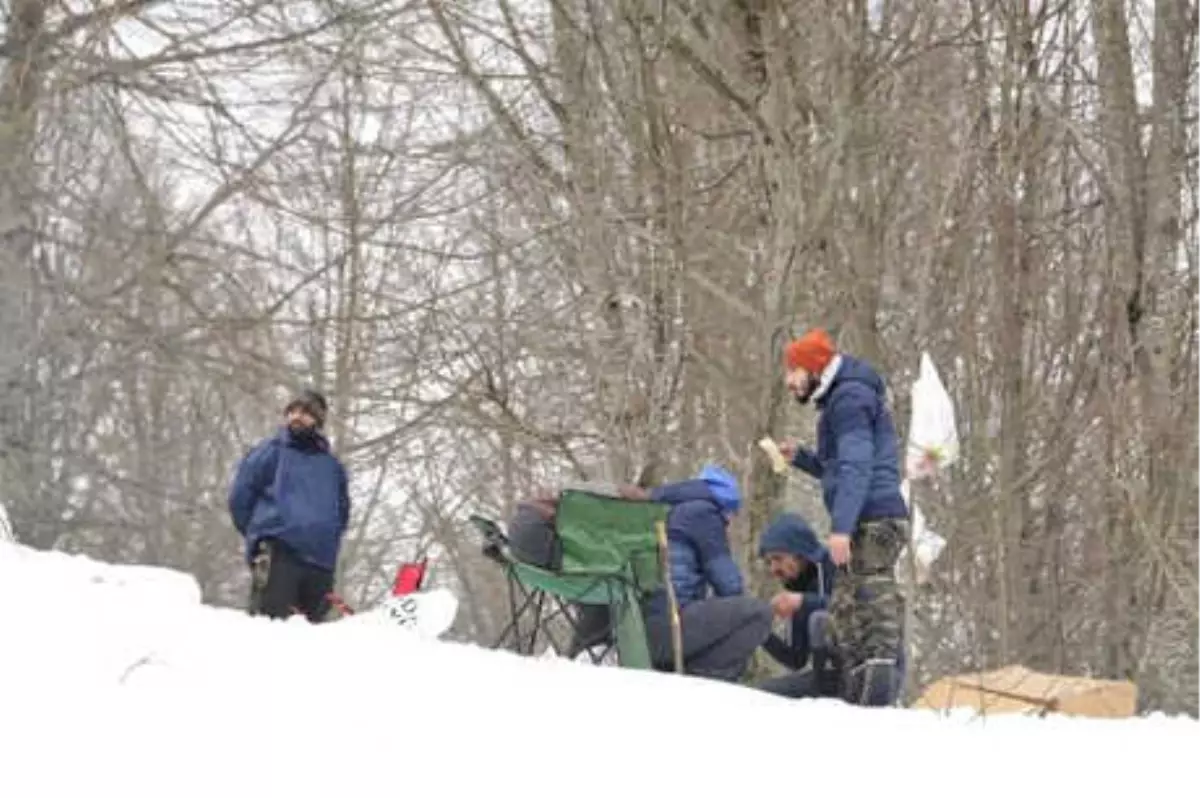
{"type": "Point", "coordinates": [409, 577]}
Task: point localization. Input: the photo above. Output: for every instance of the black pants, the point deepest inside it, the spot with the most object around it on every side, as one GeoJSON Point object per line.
{"type": "Point", "coordinates": [282, 584]}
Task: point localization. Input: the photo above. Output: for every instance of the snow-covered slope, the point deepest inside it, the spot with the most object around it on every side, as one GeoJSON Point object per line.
{"type": "Point", "coordinates": [115, 680]}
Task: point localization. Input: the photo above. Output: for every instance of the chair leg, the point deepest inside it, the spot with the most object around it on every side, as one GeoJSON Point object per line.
{"type": "Point", "coordinates": [586, 639]}
{"type": "Point", "coordinates": [539, 606]}
{"type": "Point", "coordinates": [524, 602]}
{"type": "Point", "coordinates": [516, 612]}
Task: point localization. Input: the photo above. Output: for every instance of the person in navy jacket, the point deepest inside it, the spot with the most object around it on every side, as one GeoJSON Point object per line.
{"type": "Point", "coordinates": [721, 625]}
{"type": "Point", "coordinates": [857, 463]}
{"type": "Point", "coordinates": [290, 501]}
{"type": "Point", "coordinates": [803, 567]}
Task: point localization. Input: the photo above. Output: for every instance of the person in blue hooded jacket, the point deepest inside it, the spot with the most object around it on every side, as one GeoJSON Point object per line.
{"type": "Point", "coordinates": [290, 501]}
{"type": "Point", "coordinates": [721, 625]}
{"type": "Point", "coordinates": [857, 461]}
{"type": "Point", "coordinates": [805, 571]}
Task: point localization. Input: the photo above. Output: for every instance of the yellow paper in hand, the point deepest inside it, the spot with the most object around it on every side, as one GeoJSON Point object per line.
{"type": "Point", "coordinates": [778, 464]}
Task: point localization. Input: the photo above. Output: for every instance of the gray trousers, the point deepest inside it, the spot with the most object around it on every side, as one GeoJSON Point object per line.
{"type": "Point", "coordinates": [720, 635]}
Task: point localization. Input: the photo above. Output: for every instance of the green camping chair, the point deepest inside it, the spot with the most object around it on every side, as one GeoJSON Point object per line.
{"type": "Point", "coordinates": [613, 556]}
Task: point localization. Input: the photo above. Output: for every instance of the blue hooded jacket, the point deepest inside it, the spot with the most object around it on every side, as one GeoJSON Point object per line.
{"type": "Point", "coordinates": [791, 534]}
{"type": "Point", "coordinates": [858, 451]}
{"type": "Point", "coordinates": [697, 544]}
{"type": "Point", "coordinates": [294, 490]}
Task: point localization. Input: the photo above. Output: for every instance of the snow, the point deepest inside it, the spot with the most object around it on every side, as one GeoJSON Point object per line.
{"type": "Point", "coordinates": [116, 680]}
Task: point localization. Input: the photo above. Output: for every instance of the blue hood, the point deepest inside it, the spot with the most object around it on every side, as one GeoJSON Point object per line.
{"type": "Point", "coordinates": [790, 533]}
{"type": "Point", "coordinates": [724, 487]}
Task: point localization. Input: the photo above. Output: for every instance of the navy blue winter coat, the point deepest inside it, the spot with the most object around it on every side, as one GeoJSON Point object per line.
{"type": "Point", "coordinates": [791, 534]}
{"type": "Point", "coordinates": [697, 541]}
{"type": "Point", "coordinates": [294, 490]}
{"type": "Point", "coordinates": [858, 451]}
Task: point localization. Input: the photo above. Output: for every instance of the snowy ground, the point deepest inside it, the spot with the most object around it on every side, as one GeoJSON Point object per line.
{"type": "Point", "coordinates": [116, 681]}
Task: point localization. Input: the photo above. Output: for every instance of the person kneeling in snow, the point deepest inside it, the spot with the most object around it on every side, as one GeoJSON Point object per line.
{"type": "Point", "coordinates": [804, 568]}
{"type": "Point", "coordinates": [291, 503]}
{"type": "Point", "coordinates": [720, 633]}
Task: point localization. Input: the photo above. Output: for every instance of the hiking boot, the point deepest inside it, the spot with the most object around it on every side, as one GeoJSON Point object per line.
{"type": "Point", "coordinates": [875, 683]}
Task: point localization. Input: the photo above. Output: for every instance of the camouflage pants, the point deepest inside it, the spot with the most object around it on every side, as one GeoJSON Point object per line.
{"type": "Point", "coordinates": [867, 611]}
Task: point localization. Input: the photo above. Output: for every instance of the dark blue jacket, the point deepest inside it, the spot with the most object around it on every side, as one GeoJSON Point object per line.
{"type": "Point", "coordinates": [858, 451]}
{"type": "Point", "coordinates": [295, 491]}
{"type": "Point", "coordinates": [697, 541]}
{"type": "Point", "coordinates": [791, 534]}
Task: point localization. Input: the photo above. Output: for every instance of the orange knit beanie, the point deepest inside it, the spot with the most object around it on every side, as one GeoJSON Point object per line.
{"type": "Point", "coordinates": [811, 352]}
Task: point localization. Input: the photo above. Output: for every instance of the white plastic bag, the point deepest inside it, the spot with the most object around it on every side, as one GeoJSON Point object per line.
{"type": "Point", "coordinates": [932, 437]}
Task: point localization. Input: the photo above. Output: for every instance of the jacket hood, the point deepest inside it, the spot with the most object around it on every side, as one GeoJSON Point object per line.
{"type": "Point", "coordinates": [724, 487]}
{"type": "Point", "coordinates": [791, 534]}
{"type": "Point", "coordinates": [857, 371]}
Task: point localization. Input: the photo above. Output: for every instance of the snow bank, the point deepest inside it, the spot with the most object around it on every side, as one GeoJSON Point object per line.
{"type": "Point", "coordinates": [117, 681]}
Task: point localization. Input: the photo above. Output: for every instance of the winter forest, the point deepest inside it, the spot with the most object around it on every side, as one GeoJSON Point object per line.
{"type": "Point", "coordinates": [523, 242]}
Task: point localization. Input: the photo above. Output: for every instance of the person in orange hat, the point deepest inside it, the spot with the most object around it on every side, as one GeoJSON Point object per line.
{"type": "Point", "coordinates": [857, 460]}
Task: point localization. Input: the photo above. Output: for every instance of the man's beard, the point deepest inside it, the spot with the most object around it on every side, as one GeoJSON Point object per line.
{"type": "Point", "coordinates": [805, 394]}
{"type": "Point", "coordinates": [303, 431]}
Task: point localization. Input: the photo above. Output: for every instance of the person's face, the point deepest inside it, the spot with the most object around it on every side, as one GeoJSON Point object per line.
{"type": "Point", "coordinates": [299, 418]}
{"type": "Point", "coordinates": [802, 383]}
{"type": "Point", "coordinates": [783, 566]}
